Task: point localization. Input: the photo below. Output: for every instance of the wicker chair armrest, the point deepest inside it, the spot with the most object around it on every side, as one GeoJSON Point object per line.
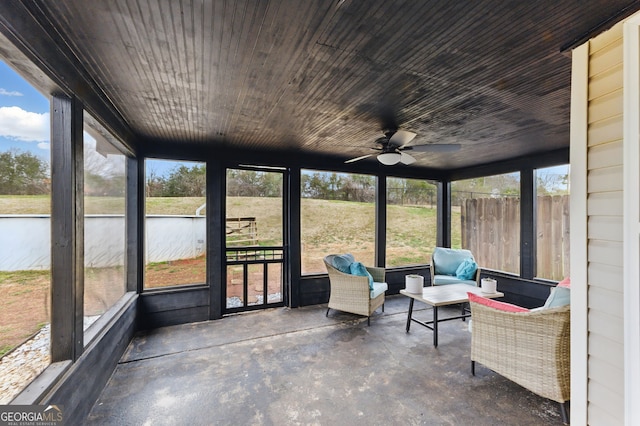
{"type": "Point", "coordinates": [377, 273]}
{"type": "Point", "coordinates": [432, 271]}
{"type": "Point", "coordinates": [477, 278]}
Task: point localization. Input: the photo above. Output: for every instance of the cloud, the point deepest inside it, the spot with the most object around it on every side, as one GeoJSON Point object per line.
{"type": "Point", "coordinates": [44, 145]}
{"type": "Point", "coordinates": [16, 123]}
{"type": "Point", "coordinates": [5, 92]}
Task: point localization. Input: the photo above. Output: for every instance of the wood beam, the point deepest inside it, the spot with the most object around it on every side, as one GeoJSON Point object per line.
{"type": "Point", "coordinates": [443, 237]}
{"type": "Point", "coordinates": [67, 229]}
{"type": "Point", "coordinates": [216, 273]}
{"type": "Point", "coordinates": [381, 221]}
{"type": "Point", "coordinates": [528, 216]}
{"type": "Point", "coordinates": [134, 203]}
{"type": "Point", "coordinates": [294, 196]}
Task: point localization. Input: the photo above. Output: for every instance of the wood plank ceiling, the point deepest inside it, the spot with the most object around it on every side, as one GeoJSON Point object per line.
{"type": "Point", "coordinates": [319, 77]}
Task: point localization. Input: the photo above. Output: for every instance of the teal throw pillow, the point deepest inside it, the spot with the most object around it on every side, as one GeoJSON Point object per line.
{"type": "Point", "coordinates": [359, 269]}
{"type": "Point", "coordinates": [559, 296]}
{"type": "Point", "coordinates": [467, 269]}
{"type": "Point", "coordinates": [447, 260]}
{"type": "Point", "coordinates": [342, 262]}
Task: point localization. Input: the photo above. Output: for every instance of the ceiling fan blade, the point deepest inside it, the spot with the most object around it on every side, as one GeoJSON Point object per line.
{"type": "Point", "coordinates": [402, 137]}
{"type": "Point", "coordinates": [433, 147]}
{"type": "Point", "coordinates": [353, 160]}
{"type": "Point", "coordinates": [407, 159]}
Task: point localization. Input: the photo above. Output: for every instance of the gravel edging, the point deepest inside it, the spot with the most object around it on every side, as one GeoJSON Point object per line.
{"type": "Point", "coordinates": [23, 364]}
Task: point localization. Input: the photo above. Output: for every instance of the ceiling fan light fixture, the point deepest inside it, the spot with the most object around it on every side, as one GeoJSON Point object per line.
{"type": "Point", "coordinates": [406, 159]}
{"type": "Point", "coordinates": [389, 158]}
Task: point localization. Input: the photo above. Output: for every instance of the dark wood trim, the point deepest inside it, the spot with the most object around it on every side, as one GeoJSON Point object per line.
{"type": "Point", "coordinates": [175, 305]}
{"type": "Point", "coordinates": [528, 223]}
{"type": "Point", "coordinates": [67, 229]}
{"type": "Point", "coordinates": [578, 40]}
{"type": "Point", "coordinates": [294, 242]}
{"type": "Point", "coordinates": [520, 291]}
{"type": "Point", "coordinates": [141, 215]}
{"type": "Point", "coordinates": [77, 125]}
{"type": "Point", "coordinates": [80, 386]}
{"type": "Point", "coordinates": [281, 158]}
{"type": "Point", "coordinates": [537, 161]}
{"type": "Point", "coordinates": [528, 293]}
{"type": "Point", "coordinates": [443, 214]}
{"type": "Point", "coordinates": [381, 221]}
{"type": "Point", "coordinates": [132, 225]}
{"type": "Point", "coordinates": [216, 272]}
{"type": "Point", "coordinates": [46, 385]}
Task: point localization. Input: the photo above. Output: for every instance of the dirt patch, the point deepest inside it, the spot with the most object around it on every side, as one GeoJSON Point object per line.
{"type": "Point", "coordinates": [24, 307]}
{"type": "Point", "coordinates": [176, 272]}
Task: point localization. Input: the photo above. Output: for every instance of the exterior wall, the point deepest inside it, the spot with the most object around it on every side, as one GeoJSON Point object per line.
{"type": "Point", "coordinates": [631, 154]}
{"type": "Point", "coordinates": [28, 240]}
{"type": "Point", "coordinates": [173, 237]}
{"type": "Point", "coordinates": [604, 263]}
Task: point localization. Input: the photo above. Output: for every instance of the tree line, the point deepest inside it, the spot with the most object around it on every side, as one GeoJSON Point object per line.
{"type": "Point", "coordinates": [23, 173]}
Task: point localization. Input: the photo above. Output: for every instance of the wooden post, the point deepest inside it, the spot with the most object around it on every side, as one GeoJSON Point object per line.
{"type": "Point", "coordinates": [443, 237]}
{"type": "Point", "coordinates": [381, 221]}
{"type": "Point", "coordinates": [294, 258]}
{"type": "Point", "coordinates": [528, 240]}
{"type": "Point", "coordinates": [67, 229]}
{"type": "Point", "coordinates": [134, 220]}
{"type": "Point", "coordinates": [216, 273]}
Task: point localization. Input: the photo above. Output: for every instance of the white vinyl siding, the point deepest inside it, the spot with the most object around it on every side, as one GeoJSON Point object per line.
{"type": "Point", "coordinates": [605, 368]}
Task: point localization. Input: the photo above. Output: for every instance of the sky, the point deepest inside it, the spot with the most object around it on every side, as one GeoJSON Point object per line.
{"type": "Point", "coordinates": [24, 115]}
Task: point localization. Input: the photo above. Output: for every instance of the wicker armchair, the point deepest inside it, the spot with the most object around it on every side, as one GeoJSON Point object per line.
{"type": "Point", "coordinates": [351, 293]}
{"type": "Point", "coordinates": [529, 348]}
{"type": "Point", "coordinates": [444, 262]}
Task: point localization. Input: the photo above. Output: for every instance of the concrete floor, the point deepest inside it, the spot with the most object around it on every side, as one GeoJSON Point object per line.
{"type": "Point", "coordinates": [297, 367]}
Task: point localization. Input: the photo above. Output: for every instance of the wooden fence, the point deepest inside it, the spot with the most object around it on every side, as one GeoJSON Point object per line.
{"type": "Point", "coordinates": [491, 230]}
{"type": "Point", "coordinates": [241, 231]}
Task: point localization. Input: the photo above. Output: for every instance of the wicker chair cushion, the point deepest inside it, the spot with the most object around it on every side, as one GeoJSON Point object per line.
{"type": "Point", "coordinates": [359, 269]}
{"type": "Point", "coordinates": [450, 279]}
{"type": "Point", "coordinates": [502, 306]}
{"type": "Point", "coordinates": [378, 289]}
{"type": "Point", "coordinates": [559, 296]}
{"type": "Point", "coordinates": [467, 269]}
{"type": "Point", "coordinates": [447, 260]}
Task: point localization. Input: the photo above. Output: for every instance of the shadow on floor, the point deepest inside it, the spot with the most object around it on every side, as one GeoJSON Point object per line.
{"type": "Point", "coordinates": [296, 366]}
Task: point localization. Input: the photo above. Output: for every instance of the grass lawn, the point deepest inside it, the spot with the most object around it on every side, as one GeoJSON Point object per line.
{"type": "Point", "coordinates": [327, 227]}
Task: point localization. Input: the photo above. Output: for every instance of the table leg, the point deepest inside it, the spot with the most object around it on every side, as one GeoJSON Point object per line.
{"type": "Point", "coordinates": [410, 312]}
{"type": "Point", "coordinates": [435, 326]}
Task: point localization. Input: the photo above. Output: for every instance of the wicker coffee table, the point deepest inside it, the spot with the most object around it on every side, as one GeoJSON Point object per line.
{"type": "Point", "coordinates": [442, 295]}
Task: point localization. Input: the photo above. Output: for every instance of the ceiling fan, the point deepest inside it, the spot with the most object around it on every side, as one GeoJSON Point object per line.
{"type": "Point", "coordinates": [393, 144]}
